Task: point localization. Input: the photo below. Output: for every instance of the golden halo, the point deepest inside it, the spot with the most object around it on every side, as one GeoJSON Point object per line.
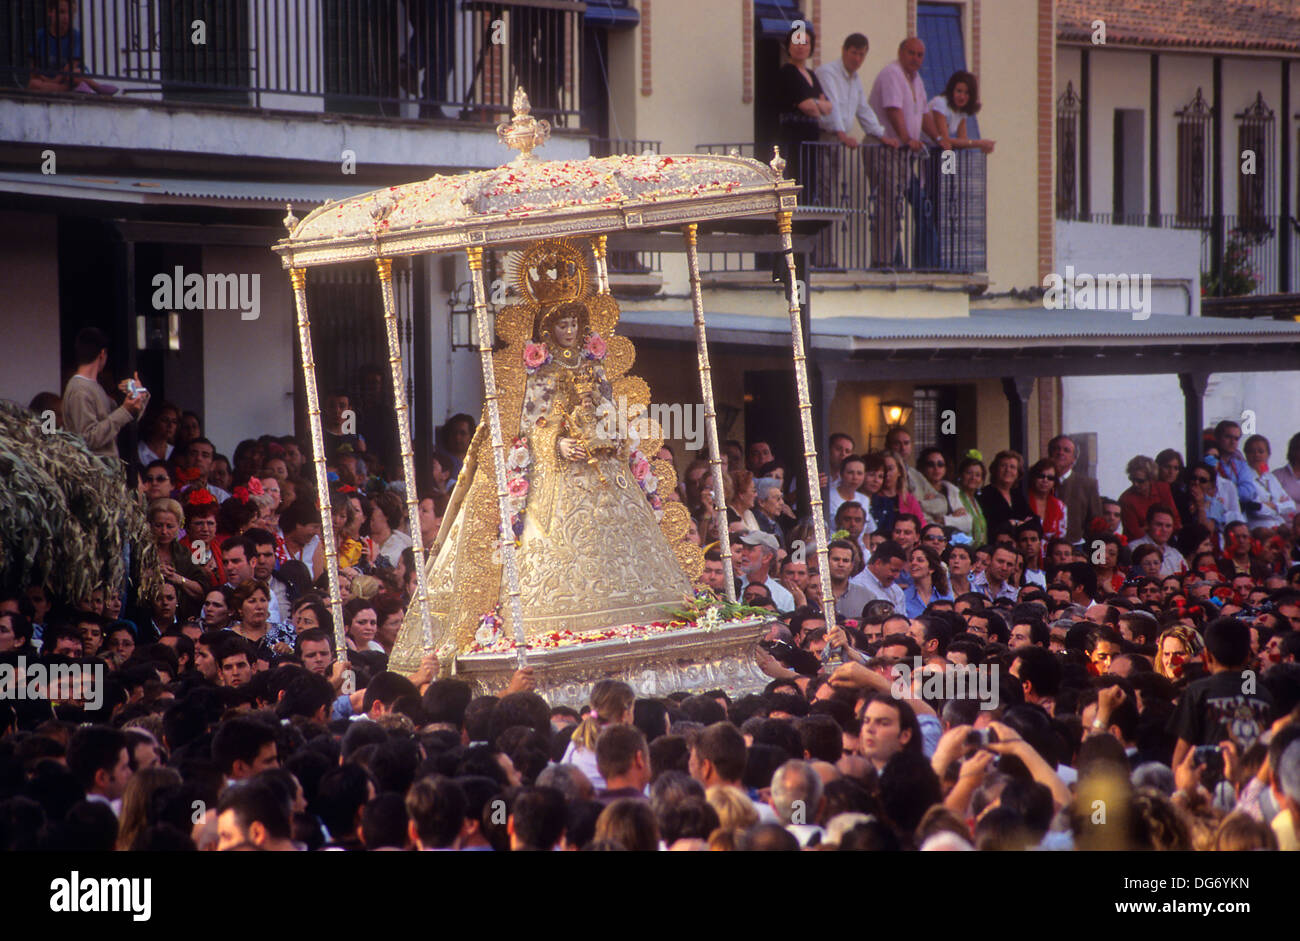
{"type": "Point", "coordinates": [552, 271]}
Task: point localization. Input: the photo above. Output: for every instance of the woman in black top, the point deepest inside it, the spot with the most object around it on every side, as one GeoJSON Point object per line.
{"type": "Point", "coordinates": [802, 104]}
{"type": "Point", "coordinates": [1003, 499]}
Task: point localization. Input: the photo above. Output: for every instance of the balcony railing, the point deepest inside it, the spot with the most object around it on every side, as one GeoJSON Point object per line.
{"type": "Point", "coordinates": [1241, 256]}
{"type": "Point", "coordinates": [431, 59]}
{"type": "Point", "coordinates": [898, 211]}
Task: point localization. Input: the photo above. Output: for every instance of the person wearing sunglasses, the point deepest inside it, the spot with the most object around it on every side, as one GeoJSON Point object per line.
{"type": "Point", "coordinates": [939, 497]}
{"type": "Point", "coordinates": [1047, 507]}
{"type": "Point", "coordinates": [1205, 505]}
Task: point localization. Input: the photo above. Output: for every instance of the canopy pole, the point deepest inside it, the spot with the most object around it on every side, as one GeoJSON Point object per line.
{"type": "Point", "coordinates": [298, 277]}
{"type": "Point", "coordinates": [490, 398]}
{"type": "Point", "coordinates": [602, 267]}
{"type": "Point", "coordinates": [385, 268]}
{"type": "Point", "coordinates": [784, 222]}
{"type": "Point", "coordinates": [691, 232]}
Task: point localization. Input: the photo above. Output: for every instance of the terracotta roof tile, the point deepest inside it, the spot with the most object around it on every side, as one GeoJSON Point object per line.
{"type": "Point", "coordinates": [1261, 25]}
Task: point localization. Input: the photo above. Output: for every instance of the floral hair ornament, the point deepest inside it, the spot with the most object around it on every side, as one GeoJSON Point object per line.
{"type": "Point", "coordinates": [975, 455]}
{"type": "Point", "coordinates": [240, 494]}
{"type": "Point", "coordinates": [959, 539]}
{"type": "Point", "coordinates": [255, 487]}
{"type": "Point", "coordinates": [187, 475]}
{"type": "Point", "coordinates": [200, 497]}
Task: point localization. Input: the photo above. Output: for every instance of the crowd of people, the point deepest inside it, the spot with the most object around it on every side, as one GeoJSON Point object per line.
{"type": "Point", "coordinates": [1142, 648]}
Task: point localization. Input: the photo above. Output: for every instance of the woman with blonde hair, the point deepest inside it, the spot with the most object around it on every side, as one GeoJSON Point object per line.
{"type": "Point", "coordinates": [895, 496]}
{"type": "Point", "coordinates": [1175, 647]}
{"type": "Point", "coordinates": [135, 801]}
{"type": "Point", "coordinates": [735, 810]}
{"type": "Point", "coordinates": [611, 704]}
{"type": "Point", "coordinates": [630, 823]}
{"type": "Point", "coordinates": [175, 563]}
{"type": "Point", "coordinates": [741, 493]}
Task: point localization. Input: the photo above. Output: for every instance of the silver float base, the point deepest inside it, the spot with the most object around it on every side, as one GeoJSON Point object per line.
{"type": "Point", "coordinates": [690, 660]}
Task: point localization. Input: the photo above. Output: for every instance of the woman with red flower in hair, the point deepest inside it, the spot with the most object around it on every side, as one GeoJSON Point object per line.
{"type": "Point", "coordinates": [201, 533]}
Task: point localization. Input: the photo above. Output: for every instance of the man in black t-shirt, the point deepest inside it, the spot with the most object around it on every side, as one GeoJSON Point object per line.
{"type": "Point", "coordinates": [1230, 703]}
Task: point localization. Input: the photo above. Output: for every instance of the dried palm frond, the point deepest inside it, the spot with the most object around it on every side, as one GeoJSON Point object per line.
{"type": "Point", "coordinates": [65, 514]}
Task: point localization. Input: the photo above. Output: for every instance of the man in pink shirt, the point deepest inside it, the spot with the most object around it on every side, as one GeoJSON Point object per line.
{"type": "Point", "coordinates": [898, 97]}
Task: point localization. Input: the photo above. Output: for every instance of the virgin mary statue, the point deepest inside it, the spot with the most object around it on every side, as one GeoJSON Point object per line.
{"type": "Point", "coordinates": [596, 544]}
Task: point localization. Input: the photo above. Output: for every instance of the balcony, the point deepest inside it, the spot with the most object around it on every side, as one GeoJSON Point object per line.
{"type": "Point", "coordinates": [1241, 256]}
{"type": "Point", "coordinates": [894, 212]}
{"type": "Point", "coordinates": [436, 59]}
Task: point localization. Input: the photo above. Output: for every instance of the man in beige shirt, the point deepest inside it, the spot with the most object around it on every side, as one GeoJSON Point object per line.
{"type": "Point", "coordinates": [87, 409]}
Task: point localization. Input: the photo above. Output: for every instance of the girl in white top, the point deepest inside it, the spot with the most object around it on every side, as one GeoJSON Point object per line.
{"type": "Point", "coordinates": [944, 123]}
{"type": "Point", "coordinates": [611, 704]}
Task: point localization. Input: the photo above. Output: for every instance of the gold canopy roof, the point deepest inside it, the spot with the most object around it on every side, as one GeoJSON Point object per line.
{"type": "Point", "coordinates": [530, 199]}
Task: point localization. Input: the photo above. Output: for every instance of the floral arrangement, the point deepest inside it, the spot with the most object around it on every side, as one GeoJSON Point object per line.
{"type": "Point", "coordinates": [491, 629]}
{"type": "Point", "coordinates": [536, 355]}
{"type": "Point", "coordinates": [595, 348]}
{"type": "Point", "coordinates": [518, 460]}
{"type": "Point", "coordinates": [702, 612]}
{"type": "Point", "coordinates": [491, 637]}
{"type": "Point", "coordinates": [645, 477]}
{"type": "Point", "coordinates": [708, 613]}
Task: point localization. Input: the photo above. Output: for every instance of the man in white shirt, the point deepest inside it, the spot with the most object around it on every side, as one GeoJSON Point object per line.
{"type": "Point", "coordinates": [756, 561]}
{"type": "Point", "coordinates": [881, 573]}
{"type": "Point", "coordinates": [1160, 526]}
{"type": "Point", "coordinates": [995, 581]}
{"type": "Point", "coordinates": [840, 82]}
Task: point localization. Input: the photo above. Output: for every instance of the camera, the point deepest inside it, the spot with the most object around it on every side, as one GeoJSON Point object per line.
{"type": "Point", "coordinates": [1211, 757]}
{"type": "Point", "coordinates": [978, 738]}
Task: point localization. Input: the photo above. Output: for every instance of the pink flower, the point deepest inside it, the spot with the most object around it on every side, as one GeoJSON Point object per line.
{"type": "Point", "coordinates": [595, 347]}
{"type": "Point", "coordinates": [535, 355]}
{"type": "Point", "coordinates": [641, 469]}
{"type": "Point", "coordinates": [254, 486]}
{"type": "Point", "coordinates": [518, 486]}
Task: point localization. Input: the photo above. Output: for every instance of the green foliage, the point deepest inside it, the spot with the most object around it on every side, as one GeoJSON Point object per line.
{"type": "Point", "coordinates": [694, 609]}
{"type": "Point", "coordinates": [1236, 274]}
{"type": "Point", "coordinates": [65, 514]}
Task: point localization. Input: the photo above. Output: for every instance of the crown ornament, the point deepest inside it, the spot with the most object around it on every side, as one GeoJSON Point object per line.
{"type": "Point", "coordinates": [552, 271]}
{"type": "Point", "coordinates": [523, 132]}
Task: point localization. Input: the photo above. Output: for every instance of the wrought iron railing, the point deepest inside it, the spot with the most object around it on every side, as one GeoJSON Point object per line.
{"type": "Point", "coordinates": [1240, 255]}
{"type": "Point", "coordinates": [432, 59]}
{"type": "Point", "coordinates": [897, 210]}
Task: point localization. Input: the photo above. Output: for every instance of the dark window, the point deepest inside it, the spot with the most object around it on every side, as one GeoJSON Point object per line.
{"type": "Point", "coordinates": [1067, 153]}
{"type": "Point", "coordinates": [1130, 165]}
{"type": "Point", "coordinates": [1254, 189]}
{"type": "Point", "coordinates": [1194, 162]}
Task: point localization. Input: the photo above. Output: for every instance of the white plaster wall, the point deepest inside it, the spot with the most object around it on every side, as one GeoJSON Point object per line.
{"type": "Point", "coordinates": [1109, 406]}
{"type": "Point", "coordinates": [29, 312]}
{"type": "Point", "coordinates": [248, 365]}
{"type": "Point", "coordinates": [1161, 253]}
{"type": "Point", "coordinates": [115, 123]}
